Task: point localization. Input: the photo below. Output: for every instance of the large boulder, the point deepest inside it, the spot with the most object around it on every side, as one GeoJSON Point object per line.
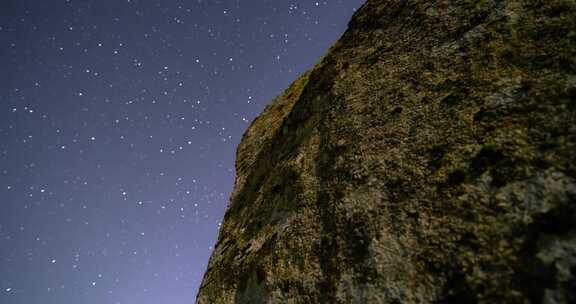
{"type": "Point", "coordinates": [430, 157]}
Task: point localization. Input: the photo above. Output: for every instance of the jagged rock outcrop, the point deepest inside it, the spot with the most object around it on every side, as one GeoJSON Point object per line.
{"type": "Point", "coordinates": [430, 157]}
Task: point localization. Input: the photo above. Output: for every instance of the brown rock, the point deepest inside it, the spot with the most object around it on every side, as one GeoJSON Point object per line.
{"type": "Point", "coordinates": [428, 158]}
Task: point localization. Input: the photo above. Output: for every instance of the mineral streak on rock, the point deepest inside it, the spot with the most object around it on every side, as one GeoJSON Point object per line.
{"type": "Point", "coordinates": [430, 157]}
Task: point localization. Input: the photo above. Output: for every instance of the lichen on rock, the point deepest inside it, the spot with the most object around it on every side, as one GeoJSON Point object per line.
{"type": "Point", "coordinates": [428, 158]}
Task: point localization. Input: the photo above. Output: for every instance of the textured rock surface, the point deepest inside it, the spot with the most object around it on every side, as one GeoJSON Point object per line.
{"type": "Point", "coordinates": [428, 158]}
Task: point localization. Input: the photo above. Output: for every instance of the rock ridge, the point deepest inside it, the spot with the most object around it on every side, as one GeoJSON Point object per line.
{"type": "Point", "coordinates": [428, 158]}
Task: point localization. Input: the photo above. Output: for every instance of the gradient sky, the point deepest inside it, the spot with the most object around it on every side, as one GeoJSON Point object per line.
{"type": "Point", "coordinates": [119, 121]}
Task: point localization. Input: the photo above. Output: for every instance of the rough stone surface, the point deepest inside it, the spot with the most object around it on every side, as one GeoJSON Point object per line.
{"type": "Point", "coordinates": [430, 157]}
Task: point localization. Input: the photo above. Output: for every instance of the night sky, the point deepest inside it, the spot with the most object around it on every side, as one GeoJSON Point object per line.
{"type": "Point", "coordinates": [119, 121]}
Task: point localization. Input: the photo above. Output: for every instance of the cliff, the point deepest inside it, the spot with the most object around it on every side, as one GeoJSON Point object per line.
{"type": "Point", "coordinates": [428, 158]}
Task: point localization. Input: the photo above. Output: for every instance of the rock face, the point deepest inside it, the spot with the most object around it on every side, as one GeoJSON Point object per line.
{"type": "Point", "coordinates": [430, 157]}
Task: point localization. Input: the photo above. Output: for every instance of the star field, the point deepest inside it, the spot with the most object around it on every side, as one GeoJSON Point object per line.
{"type": "Point", "coordinates": [119, 121]}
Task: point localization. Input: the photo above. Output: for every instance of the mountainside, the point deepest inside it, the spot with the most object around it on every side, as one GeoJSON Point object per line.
{"type": "Point", "coordinates": [430, 157]}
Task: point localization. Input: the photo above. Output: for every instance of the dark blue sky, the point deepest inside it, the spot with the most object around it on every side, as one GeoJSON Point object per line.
{"type": "Point", "coordinates": [119, 121]}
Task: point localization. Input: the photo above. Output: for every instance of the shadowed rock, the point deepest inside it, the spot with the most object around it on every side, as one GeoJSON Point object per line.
{"type": "Point", "coordinates": [428, 158]}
